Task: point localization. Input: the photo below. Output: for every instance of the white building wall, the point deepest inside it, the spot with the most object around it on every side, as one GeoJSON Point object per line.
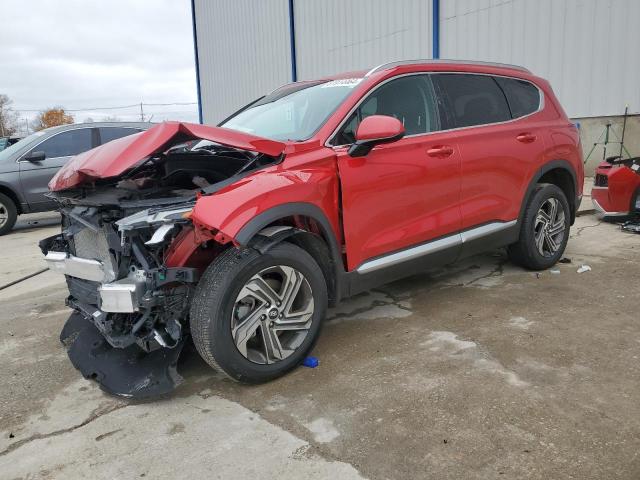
{"type": "Point", "coordinates": [334, 36]}
{"type": "Point", "coordinates": [587, 49]}
{"type": "Point", "coordinates": [243, 51]}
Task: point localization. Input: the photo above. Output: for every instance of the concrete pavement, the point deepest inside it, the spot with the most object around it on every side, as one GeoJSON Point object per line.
{"type": "Point", "coordinates": [481, 370]}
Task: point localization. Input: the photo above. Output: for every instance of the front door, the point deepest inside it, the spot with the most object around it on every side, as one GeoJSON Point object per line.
{"type": "Point", "coordinates": [58, 149]}
{"type": "Point", "coordinates": [401, 194]}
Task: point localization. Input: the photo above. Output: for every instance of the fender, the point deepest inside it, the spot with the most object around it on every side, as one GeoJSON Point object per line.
{"type": "Point", "coordinates": [16, 196]}
{"type": "Point", "coordinates": [232, 209]}
{"type": "Point", "coordinates": [547, 167]}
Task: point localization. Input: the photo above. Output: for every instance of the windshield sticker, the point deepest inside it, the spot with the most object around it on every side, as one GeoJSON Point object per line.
{"type": "Point", "coordinates": [342, 82]}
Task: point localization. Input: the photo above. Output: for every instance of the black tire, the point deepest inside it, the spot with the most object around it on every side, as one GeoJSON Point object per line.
{"type": "Point", "coordinates": [213, 306]}
{"type": "Point", "coordinates": [8, 208]}
{"type": "Point", "coordinates": [525, 252]}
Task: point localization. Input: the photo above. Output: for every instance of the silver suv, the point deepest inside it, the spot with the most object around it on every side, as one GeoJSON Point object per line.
{"type": "Point", "coordinates": [27, 166]}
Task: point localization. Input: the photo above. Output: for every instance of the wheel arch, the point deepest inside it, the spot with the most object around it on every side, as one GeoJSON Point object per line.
{"type": "Point", "coordinates": [322, 245]}
{"type": "Point", "coordinates": [13, 196]}
{"type": "Point", "coordinates": [559, 173]}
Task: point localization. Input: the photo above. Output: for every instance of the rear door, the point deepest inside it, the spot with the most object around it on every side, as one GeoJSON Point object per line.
{"type": "Point", "coordinates": [405, 193]}
{"type": "Point", "coordinates": [500, 139]}
{"type": "Point", "coordinates": [58, 149]}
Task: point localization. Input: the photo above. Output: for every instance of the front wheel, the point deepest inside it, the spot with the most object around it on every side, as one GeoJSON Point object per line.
{"type": "Point", "coordinates": [256, 316]}
{"type": "Point", "coordinates": [544, 231]}
{"type": "Point", "coordinates": [8, 214]}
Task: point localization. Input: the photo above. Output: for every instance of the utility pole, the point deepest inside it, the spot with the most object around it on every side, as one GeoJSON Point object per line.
{"type": "Point", "coordinates": [141, 113]}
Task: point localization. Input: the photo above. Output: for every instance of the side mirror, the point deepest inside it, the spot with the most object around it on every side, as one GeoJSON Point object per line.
{"type": "Point", "coordinates": [35, 156]}
{"type": "Point", "coordinates": [373, 131]}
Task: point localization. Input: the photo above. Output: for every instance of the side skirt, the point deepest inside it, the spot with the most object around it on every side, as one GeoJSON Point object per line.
{"type": "Point", "coordinates": [427, 256]}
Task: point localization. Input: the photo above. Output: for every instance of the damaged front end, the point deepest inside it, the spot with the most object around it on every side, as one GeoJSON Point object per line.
{"type": "Point", "coordinates": [132, 257]}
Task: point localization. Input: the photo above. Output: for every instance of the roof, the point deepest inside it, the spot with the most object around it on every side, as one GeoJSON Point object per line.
{"type": "Point", "coordinates": [73, 126]}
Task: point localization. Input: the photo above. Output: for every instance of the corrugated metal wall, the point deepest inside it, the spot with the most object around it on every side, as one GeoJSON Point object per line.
{"type": "Point", "coordinates": [340, 35]}
{"type": "Point", "coordinates": [587, 49]}
{"type": "Point", "coordinates": [243, 50]}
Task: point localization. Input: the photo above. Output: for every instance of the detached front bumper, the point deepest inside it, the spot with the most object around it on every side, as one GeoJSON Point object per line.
{"type": "Point", "coordinates": [125, 372]}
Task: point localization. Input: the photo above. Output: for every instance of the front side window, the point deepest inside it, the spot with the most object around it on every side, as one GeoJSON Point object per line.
{"type": "Point", "coordinates": [523, 96]}
{"type": "Point", "coordinates": [295, 112]}
{"type": "Point", "coordinates": [66, 144]}
{"type": "Point", "coordinates": [410, 99]}
{"type": "Point", "coordinates": [472, 99]}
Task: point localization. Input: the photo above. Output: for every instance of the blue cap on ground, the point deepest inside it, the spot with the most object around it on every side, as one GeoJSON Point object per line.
{"type": "Point", "coordinates": [311, 362]}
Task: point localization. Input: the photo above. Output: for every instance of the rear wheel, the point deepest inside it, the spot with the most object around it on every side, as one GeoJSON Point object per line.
{"type": "Point", "coordinates": [256, 316]}
{"type": "Point", "coordinates": [544, 231]}
{"type": "Point", "coordinates": [8, 214]}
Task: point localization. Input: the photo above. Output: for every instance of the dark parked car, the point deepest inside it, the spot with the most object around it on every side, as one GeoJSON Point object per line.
{"type": "Point", "coordinates": [27, 166]}
{"type": "Point", "coordinates": [317, 191]}
{"type": "Point", "coordinates": [8, 141]}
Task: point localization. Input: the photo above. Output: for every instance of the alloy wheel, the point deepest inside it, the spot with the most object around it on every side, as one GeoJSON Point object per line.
{"type": "Point", "coordinates": [4, 215]}
{"type": "Point", "coordinates": [272, 314]}
{"type": "Point", "coordinates": [549, 229]}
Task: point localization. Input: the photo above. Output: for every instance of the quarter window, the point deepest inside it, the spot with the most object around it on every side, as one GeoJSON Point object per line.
{"type": "Point", "coordinates": [66, 144]}
{"type": "Point", "coordinates": [473, 99]}
{"type": "Point", "coordinates": [523, 96]}
{"type": "Point", "coordinates": [409, 99]}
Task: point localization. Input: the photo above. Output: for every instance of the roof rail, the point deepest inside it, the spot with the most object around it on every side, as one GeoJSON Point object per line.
{"type": "Point", "coordinates": [387, 66]}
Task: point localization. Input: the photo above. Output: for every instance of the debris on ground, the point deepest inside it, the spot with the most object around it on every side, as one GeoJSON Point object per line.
{"type": "Point", "coordinates": [584, 268]}
{"type": "Point", "coordinates": [564, 260]}
{"type": "Point", "coordinates": [311, 362]}
{"type": "Point", "coordinates": [555, 272]}
{"type": "Point", "coordinates": [632, 226]}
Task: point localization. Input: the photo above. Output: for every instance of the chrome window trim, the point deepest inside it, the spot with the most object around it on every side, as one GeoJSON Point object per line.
{"type": "Point", "coordinates": [433, 246]}
{"type": "Point", "coordinates": [335, 131]}
{"type": "Point", "coordinates": [21, 158]}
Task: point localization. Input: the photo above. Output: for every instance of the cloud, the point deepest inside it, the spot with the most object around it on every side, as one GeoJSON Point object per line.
{"type": "Point", "coordinates": [95, 53]}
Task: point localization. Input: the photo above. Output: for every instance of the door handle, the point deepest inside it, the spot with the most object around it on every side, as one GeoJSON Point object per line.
{"type": "Point", "coordinates": [526, 138]}
{"type": "Point", "coordinates": [440, 151]}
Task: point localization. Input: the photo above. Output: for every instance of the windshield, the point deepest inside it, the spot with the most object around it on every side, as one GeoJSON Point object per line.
{"type": "Point", "coordinates": [294, 112]}
{"type": "Point", "coordinates": [7, 152]}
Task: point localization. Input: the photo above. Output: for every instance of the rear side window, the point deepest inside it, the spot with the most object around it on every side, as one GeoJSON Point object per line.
{"type": "Point", "coordinates": [523, 97]}
{"type": "Point", "coordinates": [66, 144]}
{"type": "Point", "coordinates": [112, 133]}
{"type": "Point", "coordinates": [410, 99]}
{"type": "Point", "coordinates": [472, 99]}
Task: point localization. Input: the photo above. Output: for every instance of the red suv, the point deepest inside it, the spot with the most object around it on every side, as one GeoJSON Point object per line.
{"type": "Point", "coordinates": [240, 236]}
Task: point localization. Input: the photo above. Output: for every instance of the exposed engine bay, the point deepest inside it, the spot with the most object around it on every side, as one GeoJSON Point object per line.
{"type": "Point", "coordinates": [114, 250]}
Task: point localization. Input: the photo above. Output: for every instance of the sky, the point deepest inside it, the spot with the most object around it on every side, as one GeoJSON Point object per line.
{"type": "Point", "coordinates": [83, 54]}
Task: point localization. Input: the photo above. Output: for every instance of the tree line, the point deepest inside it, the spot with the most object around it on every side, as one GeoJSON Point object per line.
{"type": "Point", "coordinates": [49, 117]}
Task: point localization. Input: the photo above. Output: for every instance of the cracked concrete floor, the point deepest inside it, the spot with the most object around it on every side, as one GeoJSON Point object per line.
{"type": "Point", "coordinates": [480, 370]}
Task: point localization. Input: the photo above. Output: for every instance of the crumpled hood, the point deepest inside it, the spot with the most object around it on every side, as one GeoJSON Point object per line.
{"type": "Point", "coordinates": [114, 158]}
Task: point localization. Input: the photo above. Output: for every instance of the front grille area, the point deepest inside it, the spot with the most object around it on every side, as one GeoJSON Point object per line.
{"type": "Point", "coordinates": [94, 245]}
{"type": "Point", "coordinates": [601, 180]}
{"type": "Point", "coordinates": [84, 291]}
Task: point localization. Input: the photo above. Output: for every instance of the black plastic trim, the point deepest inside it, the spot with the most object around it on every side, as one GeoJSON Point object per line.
{"type": "Point", "coordinates": [547, 167]}
{"type": "Point", "coordinates": [253, 227]}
